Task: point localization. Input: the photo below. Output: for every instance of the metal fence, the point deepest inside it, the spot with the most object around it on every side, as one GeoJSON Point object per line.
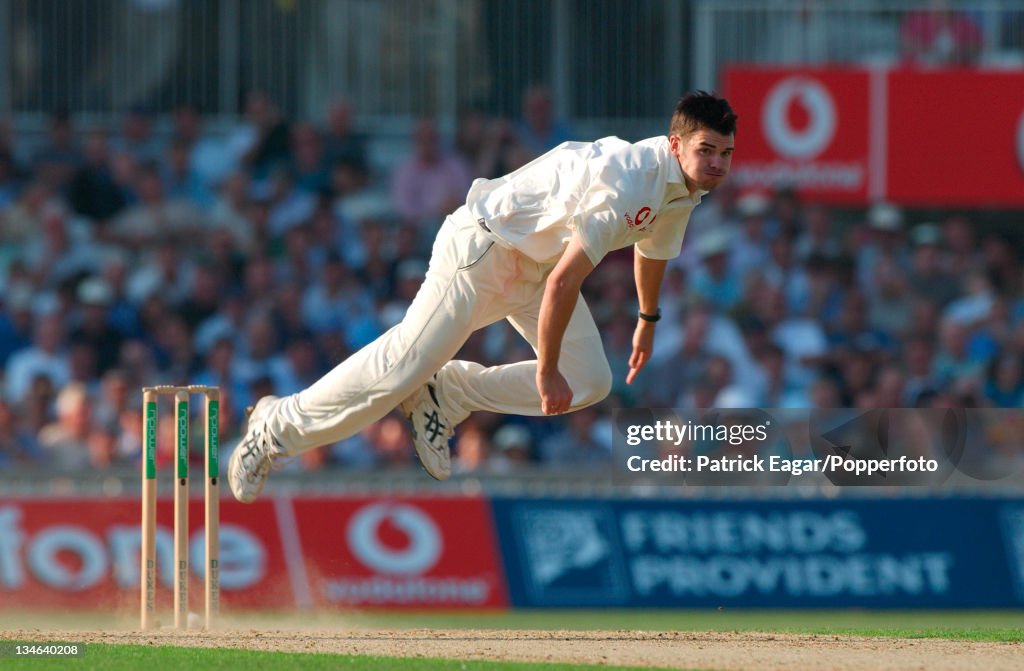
{"type": "Point", "coordinates": [610, 63]}
{"type": "Point", "coordinates": [395, 59]}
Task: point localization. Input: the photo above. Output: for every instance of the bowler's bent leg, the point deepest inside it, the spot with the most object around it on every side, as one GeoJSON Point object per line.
{"type": "Point", "coordinates": [512, 388]}
{"type": "Point", "coordinates": [376, 379]}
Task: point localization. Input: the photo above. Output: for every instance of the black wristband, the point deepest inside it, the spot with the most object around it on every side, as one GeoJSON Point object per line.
{"type": "Point", "coordinates": [650, 318]}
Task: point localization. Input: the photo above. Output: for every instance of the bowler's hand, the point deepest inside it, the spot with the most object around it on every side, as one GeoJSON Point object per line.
{"type": "Point", "coordinates": [555, 394]}
{"type": "Point", "coordinates": [643, 345]}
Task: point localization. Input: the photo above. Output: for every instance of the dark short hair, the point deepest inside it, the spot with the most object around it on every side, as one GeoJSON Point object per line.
{"type": "Point", "coordinates": [702, 110]}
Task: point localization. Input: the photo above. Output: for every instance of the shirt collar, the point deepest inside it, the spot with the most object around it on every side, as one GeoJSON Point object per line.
{"type": "Point", "coordinates": [675, 173]}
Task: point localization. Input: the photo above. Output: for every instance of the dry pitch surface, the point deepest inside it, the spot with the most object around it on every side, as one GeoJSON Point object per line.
{"type": "Point", "coordinates": [691, 650]}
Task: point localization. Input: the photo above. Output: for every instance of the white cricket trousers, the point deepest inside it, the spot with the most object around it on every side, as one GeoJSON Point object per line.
{"type": "Point", "coordinates": [471, 282]}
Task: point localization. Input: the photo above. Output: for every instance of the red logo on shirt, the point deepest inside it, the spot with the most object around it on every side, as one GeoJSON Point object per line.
{"type": "Point", "coordinates": [643, 222]}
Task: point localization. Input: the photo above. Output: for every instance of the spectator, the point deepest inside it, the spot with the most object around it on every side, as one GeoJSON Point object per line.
{"type": "Point", "coordinates": [93, 191]}
{"type": "Point", "coordinates": [209, 159]}
{"type": "Point", "coordinates": [802, 338]}
{"type": "Point", "coordinates": [338, 303]}
{"type": "Point", "coordinates": [1001, 262]}
{"type": "Point", "coordinates": [962, 255]}
{"type": "Point", "coordinates": [750, 249]}
{"type": "Point", "coordinates": [59, 157]}
{"type": "Point", "coordinates": [929, 277]}
{"type": "Point", "coordinates": [885, 240]}
{"type": "Point", "coordinates": [229, 212]}
{"type": "Point", "coordinates": [15, 321]}
{"type": "Point", "coordinates": [390, 442]}
{"type": "Point", "coordinates": [539, 130]}
{"type": "Point", "coordinates": [94, 328]}
{"type": "Point", "coordinates": [472, 448]}
{"type": "Point", "coordinates": [102, 444]}
{"type": "Point", "coordinates": [286, 312]}
{"type": "Point", "coordinates": [174, 349]}
{"type": "Point", "coordinates": [919, 381]}
{"type": "Point", "coordinates": [782, 270]}
{"type": "Point", "coordinates": [154, 217]}
{"type": "Point", "coordinates": [513, 447]}
{"type": "Point", "coordinates": [890, 386]}
{"type": "Point", "coordinates": [17, 446]}
{"type": "Point", "coordinates": [344, 145]}
{"type": "Point", "coordinates": [259, 344]}
{"type": "Point", "coordinates": [953, 362]}
{"type": "Point", "coordinates": [826, 293]}
{"type": "Point", "coordinates": [577, 446]}
{"type": "Point", "coordinates": [23, 219]}
{"type": "Point", "coordinates": [431, 182]}
{"type": "Point", "coordinates": [66, 441]}
{"type": "Point", "coordinates": [489, 146]}
{"type": "Point", "coordinates": [409, 275]}
{"type": "Point", "coordinates": [310, 166]}
{"type": "Point", "coordinates": [46, 356]}
{"type": "Point", "coordinates": [163, 272]}
{"type": "Point", "coordinates": [136, 138]}
{"type": "Point", "coordinates": [666, 383]}
{"type": "Point", "coordinates": [220, 369]}
{"type": "Point", "coordinates": [261, 142]}
{"type": "Point", "coordinates": [777, 391]}
{"type": "Point", "coordinates": [181, 181]}
{"type": "Point", "coordinates": [976, 302]}
{"type": "Point", "coordinates": [1004, 384]}
{"type": "Point", "coordinates": [113, 399]}
{"type": "Point", "coordinates": [289, 205]}
{"type": "Point", "coordinates": [297, 367]}
{"type": "Point", "coordinates": [818, 236]}
{"type": "Point", "coordinates": [62, 249]}
{"type": "Point", "coordinates": [890, 308]}
{"type": "Point", "coordinates": [854, 331]}
{"type": "Point", "coordinates": [203, 297]}
{"type": "Point", "coordinates": [715, 281]}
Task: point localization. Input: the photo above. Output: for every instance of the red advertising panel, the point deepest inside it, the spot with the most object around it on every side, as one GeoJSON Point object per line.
{"type": "Point", "coordinates": [808, 129]}
{"type": "Point", "coordinates": [84, 553]}
{"type": "Point", "coordinates": [956, 138]}
{"type": "Point", "coordinates": [408, 552]}
{"type": "Point", "coordinates": [276, 553]}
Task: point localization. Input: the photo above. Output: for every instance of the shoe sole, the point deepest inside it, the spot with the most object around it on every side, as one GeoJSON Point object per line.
{"type": "Point", "coordinates": [248, 415]}
{"type": "Point", "coordinates": [409, 416]}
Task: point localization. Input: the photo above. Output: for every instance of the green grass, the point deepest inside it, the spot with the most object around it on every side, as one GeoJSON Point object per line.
{"type": "Point", "coordinates": [102, 657]}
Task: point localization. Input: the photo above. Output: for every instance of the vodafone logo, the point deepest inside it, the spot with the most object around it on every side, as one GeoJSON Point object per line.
{"type": "Point", "coordinates": [795, 137]}
{"type": "Point", "coordinates": [394, 538]}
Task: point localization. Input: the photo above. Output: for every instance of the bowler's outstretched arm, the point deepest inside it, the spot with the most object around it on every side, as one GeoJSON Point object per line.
{"type": "Point", "coordinates": [560, 295]}
{"type": "Point", "coordinates": [648, 274]}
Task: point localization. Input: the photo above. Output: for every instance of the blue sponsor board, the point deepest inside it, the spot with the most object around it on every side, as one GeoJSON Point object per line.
{"type": "Point", "coordinates": [880, 553]}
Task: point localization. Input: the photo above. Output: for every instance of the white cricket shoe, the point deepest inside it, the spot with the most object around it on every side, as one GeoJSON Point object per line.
{"type": "Point", "coordinates": [254, 456]}
{"type": "Point", "coordinates": [430, 431]}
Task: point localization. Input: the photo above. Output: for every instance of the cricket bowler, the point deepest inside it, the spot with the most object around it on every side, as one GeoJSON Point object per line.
{"type": "Point", "coordinates": [519, 249]}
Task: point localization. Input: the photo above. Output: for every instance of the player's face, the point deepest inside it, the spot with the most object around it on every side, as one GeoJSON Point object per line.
{"type": "Point", "coordinates": [704, 157]}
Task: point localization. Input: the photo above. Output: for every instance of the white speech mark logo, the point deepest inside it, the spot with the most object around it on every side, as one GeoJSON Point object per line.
{"type": "Point", "coordinates": [815, 99]}
{"type": "Point", "coordinates": [419, 555]}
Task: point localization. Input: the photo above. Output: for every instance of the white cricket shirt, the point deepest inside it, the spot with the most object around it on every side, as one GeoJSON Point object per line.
{"type": "Point", "coordinates": [611, 193]}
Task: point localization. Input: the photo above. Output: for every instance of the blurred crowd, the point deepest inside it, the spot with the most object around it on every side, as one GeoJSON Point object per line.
{"type": "Point", "coordinates": [258, 257]}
